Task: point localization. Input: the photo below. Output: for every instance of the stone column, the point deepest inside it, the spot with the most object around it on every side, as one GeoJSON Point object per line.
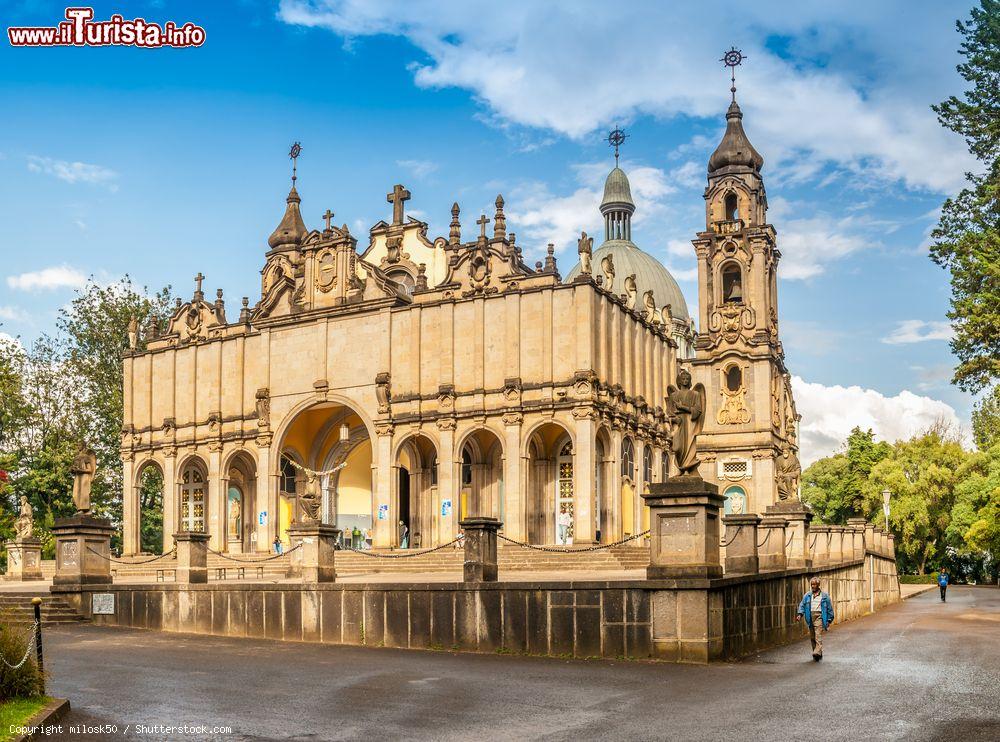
{"type": "Point", "coordinates": [215, 519]}
{"type": "Point", "coordinates": [799, 517]}
{"type": "Point", "coordinates": [448, 483]}
{"type": "Point", "coordinates": [513, 485]}
{"type": "Point", "coordinates": [821, 545]}
{"type": "Point", "coordinates": [192, 557]}
{"type": "Point", "coordinates": [684, 528]}
{"type": "Point", "coordinates": [386, 531]}
{"type": "Point", "coordinates": [171, 510]}
{"type": "Point", "coordinates": [480, 549]}
{"type": "Point", "coordinates": [771, 544]}
{"type": "Point", "coordinates": [130, 507]}
{"type": "Point", "coordinates": [24, 559]}
{"type": "Point", "coordinates": [313, 559]}
{"type": "Point", "coordinates": [741, 543]}
{"type": "Point", "coordinates": [857, 525]}
{"type": "Point", "coordinates": [83, 551]}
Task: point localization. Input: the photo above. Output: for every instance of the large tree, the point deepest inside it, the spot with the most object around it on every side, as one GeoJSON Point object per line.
{"type": "Point", "coordinates": [835, 486]}
{"type": "Point", "coordinates": [967, 238]}
{"type": "Point", "coordinates": [986, 420]}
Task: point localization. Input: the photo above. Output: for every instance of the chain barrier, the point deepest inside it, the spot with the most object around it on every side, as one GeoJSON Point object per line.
{"type": "Point", "coordinates": [815, 536]}
{"type": "Point", "coordinates": [363, 552]}
{"type": "Point", "coordinates": [726, 543]}
{"type": "Point", "coordinates": [255, 561]}
{"type": "Point", "coordinates": [790, 537]}
{"type": "Point", "coordinates": [554, 550]}
{"type": "Point", "coordinates": [125, 561]}
{"type": "Point", "coordinates": [30, 638]}
{"type": "Point", "coordinates": [765, 538]}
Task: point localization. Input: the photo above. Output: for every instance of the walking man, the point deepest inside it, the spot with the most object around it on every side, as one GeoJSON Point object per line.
{"type": "Point", "coordinates": [817, 610]}
{"type": "Point", "coordinates": [943, 582]}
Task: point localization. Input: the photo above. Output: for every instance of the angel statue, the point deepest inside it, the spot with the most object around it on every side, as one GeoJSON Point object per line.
{"type": "Point", "coordinates": [24, 526]}
{"type": "Point", "coordinates": [311, 498]}
{"type": "Point", "coordinates": [688, 406]}
{"type": "Point", "coordinates": [789, 471]}
{"type": "Point", "coordinates": [83, 469]}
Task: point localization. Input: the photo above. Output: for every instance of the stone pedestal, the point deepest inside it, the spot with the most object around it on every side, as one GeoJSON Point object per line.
{"type": "Point", "coordinates": [771, 548]}
{"type": "Point", "coordinates": [857, 525]}
{"type": "Point", "coordinates": [480, 549]}
{"type": "Point", "coordinates": [192, 557]}
{"type": "Point", "coordinates": [836, 544]}
{"type": "Point", "coordinates": [741, 544]}
{"type": "Point", "coordinates": [683, 528]}
{"type": "Point", "coordinates": [869, 537]}
{"type": "Point", "coordinates": [83, 551]}
{"type": "Point", "coordinates": [24, 560]}
{"type": "Point", "coordinates": [820, 545]}
{"type": "Point", "coordinates": [799, 517]}
{"type": "Point", "coordinates": [314, 559]}
{"type": "Point", "coordinates": [890, 546]}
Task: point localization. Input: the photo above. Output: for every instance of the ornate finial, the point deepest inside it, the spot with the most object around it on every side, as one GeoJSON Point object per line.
{"type": "Point", "coordinates": [499, 221]}
{"type": "Point", "coordinates": [455, 233]}
{"type": "Point", "coordinates": [293, 154]}
{"type": "Point", "coordinates": [397, 198]}
{"type": "Point", "coordinates": [421, 283]}
{"type": "Point", "coordinates": [733, 59]}
{"type": "Point", "coordinates": [550, 259]}
{"type": "Point", "coordinates": [245, 311]}
{"type": "Point", "coordinates": [616, 139]}
{"type": "Point", "coordinates": [197, 281]}
{"type": "Point", "coordinates": [482, 222]}
{"type": "Point", "coordinates": [218, 297]}
{"type": "Point", "coordinates": [328, 216]}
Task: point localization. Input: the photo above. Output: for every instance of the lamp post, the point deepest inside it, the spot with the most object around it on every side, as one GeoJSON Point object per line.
{"type": "Point", "coordinates": [886, 494]}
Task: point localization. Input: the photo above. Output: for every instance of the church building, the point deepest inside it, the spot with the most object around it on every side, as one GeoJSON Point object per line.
{"type": "Point", "coordinates": [428, 379]}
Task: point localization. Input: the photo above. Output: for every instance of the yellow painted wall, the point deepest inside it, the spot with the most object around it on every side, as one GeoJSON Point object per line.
{"type": "Point", "coordinates": [354, 488]}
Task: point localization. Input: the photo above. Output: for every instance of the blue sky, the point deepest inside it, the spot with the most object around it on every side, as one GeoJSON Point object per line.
{"type": "Point", "coordinates": [162, 163]}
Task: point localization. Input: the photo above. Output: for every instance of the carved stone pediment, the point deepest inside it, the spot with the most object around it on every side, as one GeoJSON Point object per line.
{"type": "Point", "coordinates": [196, 320]}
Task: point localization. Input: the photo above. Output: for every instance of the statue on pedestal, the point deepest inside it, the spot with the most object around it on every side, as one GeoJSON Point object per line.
{"type": "Point", "coordinates": [787, 476]}
{"type": "Point", "coordinates": [311, 498]}
{"type": "Point", "coordinates": [687, 405]}
{"type": "Point", "coordinates": [24, 526]}
{"type": "Point", "coordinates": [83, 469]}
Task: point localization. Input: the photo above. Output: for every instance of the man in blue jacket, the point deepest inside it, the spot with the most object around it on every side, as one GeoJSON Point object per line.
{"type": "Point", "coordinates": [817, 610]}
{"type": "Point", "coordinates": [943, 582]}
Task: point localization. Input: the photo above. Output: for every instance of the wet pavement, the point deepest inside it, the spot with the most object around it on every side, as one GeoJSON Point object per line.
{"type": "Point", "coordinates": [920, 670]}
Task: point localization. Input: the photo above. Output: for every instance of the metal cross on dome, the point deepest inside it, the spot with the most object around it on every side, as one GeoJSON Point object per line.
{"type": "Point", "coordinates": [293, 154]}
{"type": "Point", "coordinates": [733, 59]}
{"type": "Point", "coordinates": [616, 139]}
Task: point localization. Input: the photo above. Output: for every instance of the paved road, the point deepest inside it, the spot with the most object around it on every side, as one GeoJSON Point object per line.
{"type": "Point", "coordinates": [916, 671]}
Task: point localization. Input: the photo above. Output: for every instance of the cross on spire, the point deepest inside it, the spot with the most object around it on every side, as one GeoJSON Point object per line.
{"type": "Point", "coordinates": [198, 279]}
{"type": "Point", "coordinates": [616, 139]}
{"type": "Point", "coordinates": [733, 59]}
{"type": "Point", "coordinates": [328, 216]}
{"type": "Point", "coordinates": [293, 154]}
{"type": "Point", "coordinates": [482, 222]}
{"type": "Point", "coordinates": [397, 198]}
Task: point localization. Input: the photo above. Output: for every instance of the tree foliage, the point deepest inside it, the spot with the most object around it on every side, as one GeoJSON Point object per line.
{"type": "Point", "coordinates": [967, 237]}
{"type": "Point", "coordinates": [986, 420]}
{"type": "Point", "coordinates": [834, 487]}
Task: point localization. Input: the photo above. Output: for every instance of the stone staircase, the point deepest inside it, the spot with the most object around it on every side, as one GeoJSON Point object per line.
{"type": "Point", "coordinates": [16, 608]}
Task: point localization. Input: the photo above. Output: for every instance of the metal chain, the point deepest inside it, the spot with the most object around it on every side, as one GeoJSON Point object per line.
{"type": "Point", "coordinates": [403, 556]}
{"type": "Point", "coordinates": [125, 561]}
{"type": "Point", "coordinates": [30, 639]}
{"type": "Point", "coordinates": [790, 537]}
{"type": "Point", "coordinates": [765, 538]}
{"type": "Point", "coordinates": [726, 543]}
{"type": "Point", "coordinates": [815, 536]}
{"type": "Point", "coordinates": [553, 550]}
{"type": "Point", "coordinates": [255, 561]}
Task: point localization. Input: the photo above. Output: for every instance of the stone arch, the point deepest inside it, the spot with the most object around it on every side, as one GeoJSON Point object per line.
{"type": "Point", "coordinates": [604, 466]}
{"type": "Point", "coordinates": [192, 483]}
{"type": "Point", "coordinates": [628, 479]}
{"type": "Point", "coordinates": [415, 487]}
{"type": "Point", "coordinates": [150, 498]}
{"type": "Point", "coordinates": [550, 454]}
{"type": "Point", "coordinates": [732, 282]}
{"type": "Point", "coordinates": [239, 480]}
{"type": "Point", "coordinates": [480, 467]}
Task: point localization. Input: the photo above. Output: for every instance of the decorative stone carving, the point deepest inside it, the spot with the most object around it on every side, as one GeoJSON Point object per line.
{"type": "Point", "coordinates": [630, 291]}
{"type": "Point", "coordinates": [311, 497]}
{"type": "Point", "coordinates": [730, 321]}
{"type": "Point", "coordinates": [447, 423]}
{"type": "Point", "coordinates": [215, 422]}
{"type": "Point", "coordinates": [512, 390]}
{"type": "Point", "coordinates": [133, 332]}
{"type": "Point", "coordinates": [382, 392]}
{"type": "Point", "coordinates": [584, 413]}
{"type": "Point", "coordinates": [734, 403]}
{"type": "Point", "coordinates": [24, 526]}
{"type": "Point", "coordinates": [263, 407]}
{"type": "Point", "coordinates": [326, 270]}
{"type": "Point", "coordinates": [83, 468]}
{"type": "Point", "coordinates": [169, 426]}
{"type": "Point", "coordinates": [788, 472]}
{"type": "Point", "coordinates": [446, 398]}
{"type": "Point", "coordinates": [687, 406]}
{"type": "Point", "coordinates": [608, 268]}
{"type": "Point", "coordinates": [585, 247]}
{"type": "Point", "coordinates": [512, 418]}
{"type": "Point", "coordinates": [649, 306]}
{"type": "Point", "coordinates": [384, 428]}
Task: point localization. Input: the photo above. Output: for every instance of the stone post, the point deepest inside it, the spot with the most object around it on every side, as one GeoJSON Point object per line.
{"type": "Point", "coordinates": [799, 516]}
{"type": "Point", "coordinates": [480, 549]}
{"type": "Point", "coordinates": [821, 545]}
{"type": "Point", "coordinates": [314, 544]}
{"type": "Point", "coordinates": [890, 546]}
{"type": "Point", "coordinates": [192, 557]}
{"type": "Point", "coordinates": [858, 540]}
{"type": "Point", "coordinates": [771, 544]}
{"type": "Point", "coordinates": [683, 528]}
{"type": "Point", "coordinates": [741, 543]}
{"type": "Point", "coordinates": [83, 551]}
{"type": "Point", "coordinates": [836, 544]}
{"type": "Point", "coordinates": [24, 559]}
{"type": "Point", "coordinates": [869, 537]}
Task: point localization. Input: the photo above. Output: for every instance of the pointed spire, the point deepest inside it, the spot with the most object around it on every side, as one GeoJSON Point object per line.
{"type": "Point", "coordinates": [499, 221]}
{"type": "Point", "coordinates": [735, 149]}
{"type": "Point", "coordinates": [291, 229]}
{"type": "Point", "coordinates": [455, 233]}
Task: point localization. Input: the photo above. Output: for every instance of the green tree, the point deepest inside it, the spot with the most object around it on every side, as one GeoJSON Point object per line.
{"type": "Point", "coordinates": [986, 420]}
{"type": "Point", "coordinates": [835, 486]}
{"type": "Point", "coordinates": [967, 238]}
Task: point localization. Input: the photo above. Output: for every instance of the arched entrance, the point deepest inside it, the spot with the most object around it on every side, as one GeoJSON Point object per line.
{"type": "Point", "coordinates": [193, 495]}
{"type": "Point", "coordinates": [149, 488]}
{"type": "Point", "coordinates": [331, 440]}
{"type": "Point", "coordinates": [628, 480]}
{"type": "Point", "coordinates": [416, 491]}
{"type": "Point", "coordinates": [241, 498]}
{"type": "Point", "coordinates": [603, 476]}
{"type": "Point", "coordinates": [481, 476]}
{"type": "Point", "coordinates": [551, 485]}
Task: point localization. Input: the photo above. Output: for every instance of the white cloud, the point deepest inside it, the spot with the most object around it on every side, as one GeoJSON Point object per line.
{"type": "Point", "coordinates": [418, 168]}
{"type": "Point", "coordinates": [13, 314]}
{"type": "Point", "coordinates": [830, 412]}
{"type": "Point", "coordinates": [855, 96]}
{"type": "Point", "coordinates": [919, 331]}
{"type": "Point", "coordinates": [53, 277]}
{"type": "Point", "coordinates": [74, 172]}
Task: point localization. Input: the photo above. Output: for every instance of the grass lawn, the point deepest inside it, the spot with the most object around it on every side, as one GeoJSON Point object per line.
{"type": "Point", "coordinates": [18, 711]}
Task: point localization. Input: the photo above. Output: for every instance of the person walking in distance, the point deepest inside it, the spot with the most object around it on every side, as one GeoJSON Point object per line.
{"type": "Point", "coordinates": [817, 610]}
{"type": "Point", "coordinates": [943, 582]}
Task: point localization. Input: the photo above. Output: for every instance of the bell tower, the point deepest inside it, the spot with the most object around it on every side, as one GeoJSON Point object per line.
{"type": "Point", "coordinates": [749, 442]}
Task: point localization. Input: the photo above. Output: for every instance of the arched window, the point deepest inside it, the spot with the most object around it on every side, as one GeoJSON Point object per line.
{"type": "Point", "coordinates": [287, 475]}
{"type": "Point", "coordinates": [466, 466]}
{"type": "Point", "coordinates": [433, 466]}
{"type": "Point", "coordinates": [736, 500]}
{"type": "Point", "coordinates": [732, 207]}
{"type": "Point", "coordinates": [734, 378]}
{"type": "Point", "coordinates": [647, 465]}
{"type": "Point", "coordinates": [628, 459]}
{"type": "Point", "coordinates": [665, 466]}
{"type": "Point", "coordinates": [193, 498]}
{"type": "Point", "coordinates": [403, 278]}
{"type": "Point", "coordinates": [732, 284]}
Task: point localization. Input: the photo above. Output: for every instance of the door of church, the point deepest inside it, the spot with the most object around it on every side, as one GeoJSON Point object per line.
{"type": "Point", "coordinates": [193, 500]}
{"type": "Point", "coordinates": [564, 496]}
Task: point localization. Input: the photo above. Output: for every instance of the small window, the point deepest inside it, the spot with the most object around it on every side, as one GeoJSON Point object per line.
{"type": "Point", "coordinates": [665, 466]}
{"type": "Point", "coordinates": [404, 279]}
{"type": "Point", "coordinates": [287, 476]}
{"type": "Point", "coordinates": [732, 207]}
{"type": "Point", "coordinates": [732, 284]}
{"type": "Point", "coordinates": [433, 466]}
{"type": "Point", "coordinates": [734, 378]}
{"type": "Point", "coordinates": [647, 465]}
{"type": "Point", "coordinates": [628, 458]}
{"type": "Point", "coordinates": [466, 466]}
